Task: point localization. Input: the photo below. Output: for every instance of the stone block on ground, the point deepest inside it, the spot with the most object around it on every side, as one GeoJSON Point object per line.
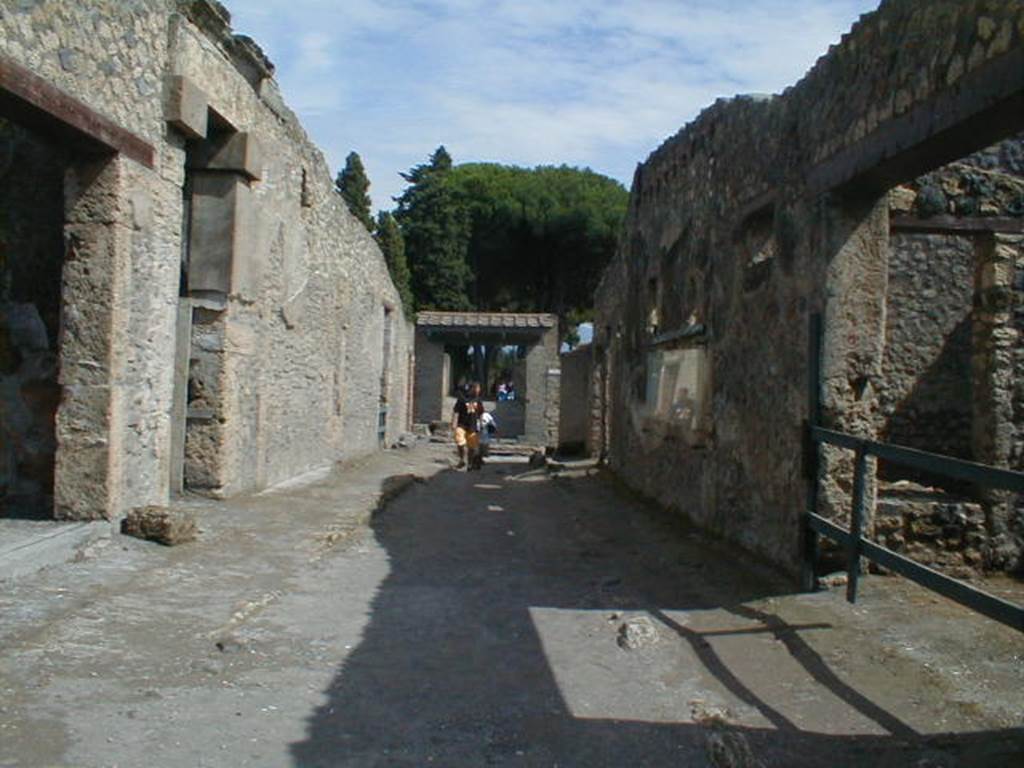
{"type": "Point", "coordinates": [160, 524]}
{"type": "Point", "coordinates": [405, 440]}
{"type": "Point", "coordinates": [637, 632]}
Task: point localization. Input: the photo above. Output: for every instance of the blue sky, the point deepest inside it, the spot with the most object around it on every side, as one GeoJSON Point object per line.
{"type": "Point", "coordinates": [594, 83]}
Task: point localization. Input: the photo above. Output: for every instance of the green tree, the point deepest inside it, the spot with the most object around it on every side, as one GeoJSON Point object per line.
{"type": "Point", "coordinates": [435, 225]}
{"type": "Point", "coordinates": [392, 245]}
{"type": "Point", "coordinates": [353, 186]}
{"type": "Point", "coordinates": [540, 238]}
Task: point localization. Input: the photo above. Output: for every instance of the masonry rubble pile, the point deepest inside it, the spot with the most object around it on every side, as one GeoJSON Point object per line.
{"type": "Point", "coordinates": [219, 320]}
{"type": "Point", "coordinates": [883, 192]}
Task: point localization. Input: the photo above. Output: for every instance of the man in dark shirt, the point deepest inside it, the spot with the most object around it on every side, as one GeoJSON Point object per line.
{"type": "Point", "coordinates": [466, 423]}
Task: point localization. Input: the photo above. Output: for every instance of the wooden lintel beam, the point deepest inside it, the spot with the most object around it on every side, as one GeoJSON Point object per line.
{"type": "Point", "coordinates": [963, 225]}
{"type": "Point", "coordinates": [31, 101]}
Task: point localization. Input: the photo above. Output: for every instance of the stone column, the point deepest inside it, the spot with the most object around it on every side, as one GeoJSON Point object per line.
{"type": "Point", "coordinates": [95, 279]}
{"type": "Point", "coordinates": [223, 265]}
{"type": "Point", "coordinates": [997, 374]}
{"type": "Point", "coordinates": [542, 390]}
{"type": "Point", "coordinates": [854, 342]}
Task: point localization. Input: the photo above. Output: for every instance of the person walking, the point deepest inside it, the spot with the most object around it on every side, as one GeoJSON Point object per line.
{"type": "Point", "coordinates": [488, 427]}
{"type": "Point", "coordinates": [466, 424]}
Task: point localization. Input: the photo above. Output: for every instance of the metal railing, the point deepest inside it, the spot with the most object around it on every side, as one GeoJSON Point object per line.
{"type": "Point", "coordinates": [853, 540]}
{"type": "Point", "coordinates": [857, 546]}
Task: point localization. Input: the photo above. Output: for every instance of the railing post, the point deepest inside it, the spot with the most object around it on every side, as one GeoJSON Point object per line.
{"type": "Point", "coordinates": [812, 454]}
{"type": "Point", "coordinates": [860, 481]}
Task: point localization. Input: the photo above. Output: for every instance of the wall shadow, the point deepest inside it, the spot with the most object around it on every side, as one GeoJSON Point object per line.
{"type": "Point", "coordinates": [452, 671]}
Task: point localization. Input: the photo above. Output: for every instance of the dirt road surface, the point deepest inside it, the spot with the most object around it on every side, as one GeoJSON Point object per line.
{"type": "Point", "coordinates": [508, 617]}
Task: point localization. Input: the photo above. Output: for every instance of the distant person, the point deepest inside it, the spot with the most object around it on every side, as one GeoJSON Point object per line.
{"type": "Point", "coordinates": [488, 428]}
{"type": "Point", "coordinates": [502, 391]}
{"type": "Point", "coordinates": [466, 424]}
{"type": "Point", "coordinates": [510, 391]}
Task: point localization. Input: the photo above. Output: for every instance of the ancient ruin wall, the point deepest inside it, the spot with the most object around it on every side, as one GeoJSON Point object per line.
{"type": "Point", "coordinates": [730, 232]}
{"type": "Point", "coordinates": [304, 335]}
{"type": "Point", "coordinates": [299, 368]}
{"type": "Point", "coordinates": [926, 400]}
{"type": "Point", "coordinates": [124, 232]}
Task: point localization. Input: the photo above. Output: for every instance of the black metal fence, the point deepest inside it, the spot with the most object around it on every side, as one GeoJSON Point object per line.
{"type": "Point", "coordinates": [853, 540]}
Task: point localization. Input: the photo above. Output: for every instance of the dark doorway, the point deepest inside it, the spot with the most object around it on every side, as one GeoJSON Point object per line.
{"type": "Point", "coordinates": [31, 258]}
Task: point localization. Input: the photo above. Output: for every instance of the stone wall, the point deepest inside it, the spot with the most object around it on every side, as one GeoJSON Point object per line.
{"type": "Point", "coordinates": [941, 531]}
{"type": "Point", "coordinates": [766, 210]}
{"type": "Point", "coordinates": [542, 378]}
{"type": "Point", "coordinates": [998, 424]}
{"type": "Point", "coordinates": [288, 359]}
{"type": "Point", "coordinates": [926, 367]}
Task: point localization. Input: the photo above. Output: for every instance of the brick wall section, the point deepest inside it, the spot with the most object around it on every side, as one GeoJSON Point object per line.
{"type": "Point", "coordinates": [731, 217]}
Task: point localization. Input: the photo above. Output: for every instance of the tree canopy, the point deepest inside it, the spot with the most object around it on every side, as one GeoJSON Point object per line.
{"type": "Point", "coordinates": [353, 185]}
{"type": "Point", "coordinates": [540, 238]}
{"type": "Point", "coordinates": [436, 230]}
{"type": "Point", "coordinates": [389, 238]}
{"type": "Point", "coordinates": [509, 239]}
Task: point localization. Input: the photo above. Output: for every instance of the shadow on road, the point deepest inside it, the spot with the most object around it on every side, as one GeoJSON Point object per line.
{"type": "Point", "coordinates": [452, 669]}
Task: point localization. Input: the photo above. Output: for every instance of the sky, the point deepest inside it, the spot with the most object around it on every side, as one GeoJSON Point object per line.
{"type": "Point", "coordinates": [589, 83]}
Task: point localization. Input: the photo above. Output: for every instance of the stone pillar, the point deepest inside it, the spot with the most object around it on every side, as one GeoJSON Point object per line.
{"type": "Point", "coordinates": [542, 390]}
{"type": "Point", "coordinates": [179, 405]}
{"type": "Point", "coordinates": [223, 264]}
{"type": "Point", "coordinates": [96, 274]}
{"type": "Point", "coordinates": [205, 440]}
{"type": "Point", "coordinates": [446, 375]}
{"type": "Point", "coordinates": [428, 394]}
{"type": "Point", "coordinates": [997, 375]}
{"type": "Point", "coordinates": [854, 342]}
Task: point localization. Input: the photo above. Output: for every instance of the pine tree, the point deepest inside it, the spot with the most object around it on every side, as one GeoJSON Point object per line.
{"type": "Point", "coordinates": [389, 238]}
{"type": "Point", "coordinates": [353, 186]}
{"type": "Point", "coordinates": [435, 226]}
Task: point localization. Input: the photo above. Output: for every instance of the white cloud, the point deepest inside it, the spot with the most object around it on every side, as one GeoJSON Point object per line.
{"type": "Point", "coordinates": [587, 82]}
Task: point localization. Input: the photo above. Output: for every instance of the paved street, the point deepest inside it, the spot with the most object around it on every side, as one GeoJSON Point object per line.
{"type": "Point", "coordinates": [508, 617]}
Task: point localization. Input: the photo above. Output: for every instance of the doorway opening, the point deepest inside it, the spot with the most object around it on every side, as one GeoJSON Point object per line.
{"type": "Point", "coordinates": [32, 171]}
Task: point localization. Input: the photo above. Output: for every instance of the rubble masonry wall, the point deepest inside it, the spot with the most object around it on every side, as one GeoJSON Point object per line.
{"type": "Point", "coordinates": [733, 227]}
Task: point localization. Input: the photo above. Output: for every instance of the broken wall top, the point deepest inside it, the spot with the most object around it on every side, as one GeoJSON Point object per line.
{"type": "Point", "coordinates": [913, 69]}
